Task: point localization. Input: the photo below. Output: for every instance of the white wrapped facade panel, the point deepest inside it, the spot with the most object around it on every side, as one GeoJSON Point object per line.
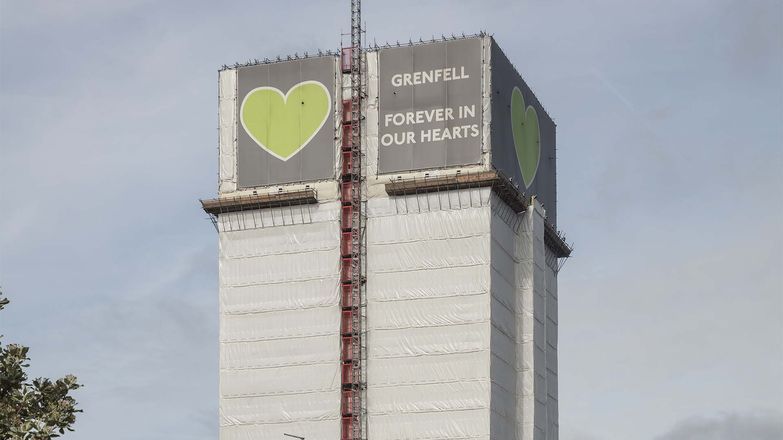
{"type": "Point", "coordinates": [269, 409]}
{"type": "Point", "coordinates": [449, 282]}
{"type": "Point", "coordinates": [431, 254]}
{"type": "Point", "coordinates": [279, 326]}
{"type": "Point", "coordinates": [456, 367]}
{"type": "Point", "coordinates": [279, 352]}
{"type": "Point", "coordinates": [227, 126]}
{"type": "Point", "coordinates": [524, 332]}
{"type": "Point", "coordinates": [553, 426]}
{"type": "Point", "coordinates": [288, 324]}
{"type": "Point", "coordinates": [431, 397]}
{"type": "Point", "coordinates": [467, 424]}
{"type": "Point", "coordinates": [486, 101]}
{"type": "Point", "coordinates": [327, 429]}
{"type": "Point", "coordinates": [428, 316]}
{"type": "Point", "coordinates": [278, 296]}
{"type": "Point", "coordinates": [461, 320]}
{"type": "Point", "coordinates": [285, 380]}
{"type": "Point", "coordinates": [370, 124]}
{"type": "Point", "coordinates": [427, 341]}
{"type": "Point", "coordinates": [505, 360]}
{"type": "Point", "coordinates": [262, 270]}
{"type": "Point", "coordinates": [430, 312]}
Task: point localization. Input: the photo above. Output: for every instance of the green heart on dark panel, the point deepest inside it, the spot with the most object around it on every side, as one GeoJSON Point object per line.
{"type": "Point", "coordinates": [523, 134]}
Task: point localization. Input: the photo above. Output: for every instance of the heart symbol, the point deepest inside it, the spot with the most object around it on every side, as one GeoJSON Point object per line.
{"type": "Point", "coordinates": [284, 124]}
{"type": "Point", "coordinates": [527, 137]}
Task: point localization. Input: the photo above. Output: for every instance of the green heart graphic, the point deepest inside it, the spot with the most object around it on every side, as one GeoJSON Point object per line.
{"type": "Point", "coordinates": [284, 124]}
{"type": "Point", "coordinates": [527, 137]}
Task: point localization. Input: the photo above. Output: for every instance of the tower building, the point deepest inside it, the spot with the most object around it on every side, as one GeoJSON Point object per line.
{"type": "Point", "coordinates": [388, 247]}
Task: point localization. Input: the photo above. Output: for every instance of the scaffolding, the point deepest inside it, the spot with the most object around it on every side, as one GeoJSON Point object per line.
{"type": "Point", "coordinates": [501, 185]}
{"type": "Point", "coordinates": [352, 223]}
{"type": "Point", "coordinates": [235, 213]}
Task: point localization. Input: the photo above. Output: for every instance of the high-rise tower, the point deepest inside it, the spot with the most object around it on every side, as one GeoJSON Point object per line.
{"type": "Point", "coordinates": [388, 247]}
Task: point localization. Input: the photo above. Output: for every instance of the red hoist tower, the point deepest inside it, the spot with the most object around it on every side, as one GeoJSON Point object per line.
{"type": "Point", "coordinates": [352, 223]}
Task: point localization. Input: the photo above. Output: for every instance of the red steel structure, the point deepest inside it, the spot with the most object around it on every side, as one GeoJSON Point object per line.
{"type": "Point", "coordinates": [352, 235]}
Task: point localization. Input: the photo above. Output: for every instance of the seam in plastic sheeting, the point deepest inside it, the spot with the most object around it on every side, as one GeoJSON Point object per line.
{"type": "Point", "coordinates": [278, 409]}
{"type": "Point", "coordinates": [296, 379]}
{"type": "Point", "coordinates": [278, 353]}
{"type": "Point", "coordinates": [452, 367]}
{"type": "Point", "coordinates": [329, 429]}
{"type": "Point", "coordinates": [429, 312]}
{"type": "Point", "coordinates": [245, 299]}
{"type": "Point", "coordinates": [436, 283]}
{"type": "Point", "coordinates": [291, 325]}
{"type": "Point", "coordinates": [459, 396]}
{"type": "Point", "coordinates": [261, 270]}
{"type": "Point", "coordinates": [443, 225]}
{"type": "Point", "coordinates": [412, 342]}
{"type": "Point", "coordinates": [276, 297]}
{"type": "Point", "coordinates": [464, 424]}
{"type": "Point", "coordinates": [430, 255]}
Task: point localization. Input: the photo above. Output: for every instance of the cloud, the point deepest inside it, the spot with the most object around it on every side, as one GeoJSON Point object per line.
{"type": "Point", "coordinates": [150, 344]}
{"type": "Point", "coordinates": [731, 426]}
{"type": "Point", "coordinates": [579, 436]}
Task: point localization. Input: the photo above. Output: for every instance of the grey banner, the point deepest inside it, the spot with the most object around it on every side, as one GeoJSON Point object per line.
{"type": "Point", "coordinates": [285, 114]}
{"type": "Point", "coordinates": [528, 158]}
{"type": "Point", "coordinates": [429, 106]}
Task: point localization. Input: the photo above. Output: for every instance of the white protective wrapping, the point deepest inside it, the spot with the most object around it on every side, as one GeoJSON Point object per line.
{"type": "Point", "coordinates": [461, 319]}
{"type": "Point", "coordinates": [524, 328]}
{"type": "Point", "coordinates": [227, 130]}
{"type": "Point", "coordinates": [486, 101]}
{"type": "Point", "coordinates": [428, 316]}
{"type": "Point", "coordinates": [371, 126]}
{"type": "Point", "coordinates": [279, 325]}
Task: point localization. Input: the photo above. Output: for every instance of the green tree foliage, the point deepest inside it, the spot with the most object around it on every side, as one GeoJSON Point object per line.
{"type": "Point", "coordinates": [32, 410]}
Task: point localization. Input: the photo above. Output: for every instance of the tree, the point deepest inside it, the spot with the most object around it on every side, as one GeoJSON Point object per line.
{"type": "Point", "coordinates": [37, 410]}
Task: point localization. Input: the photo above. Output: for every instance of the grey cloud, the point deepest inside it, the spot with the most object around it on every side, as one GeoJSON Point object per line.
{"type": "Point", "coordinates": [579, 436]}
{"type": "Point", "coordinates": [750, 426]}
{"type": "Point", "coordinates": [150, 348]}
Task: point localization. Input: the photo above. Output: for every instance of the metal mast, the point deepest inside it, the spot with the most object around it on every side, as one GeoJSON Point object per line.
{"type": "Point", "coordinates": [352, 239]}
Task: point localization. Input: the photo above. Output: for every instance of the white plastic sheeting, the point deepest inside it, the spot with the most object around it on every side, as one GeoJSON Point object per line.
{"type": "Point", "coordinates": [461, 321]}
{"type": "Point", "coordinates": [279, 326]}
{"type": "Point", "coordinates": [461, 317]}
{"type": "Point", "coordinates": [428, 316]}
{"type": "Point", "coordinates": [227, 129]}
{"type": "Point", "coordinates": [371, 126]}
{"type": "Point", "coordinates": [524, 329]}
{"type": "Point", "coordinates": [486, 100]}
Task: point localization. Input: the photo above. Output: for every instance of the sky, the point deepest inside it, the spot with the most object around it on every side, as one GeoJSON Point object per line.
{"type": "Point", "coordinates": [670, 186]}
